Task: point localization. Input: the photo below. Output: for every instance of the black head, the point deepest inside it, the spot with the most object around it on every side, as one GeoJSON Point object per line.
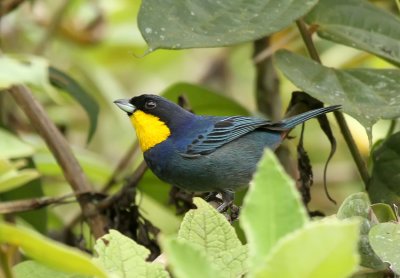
{"type": "Point", "coordinates": [160, 107]}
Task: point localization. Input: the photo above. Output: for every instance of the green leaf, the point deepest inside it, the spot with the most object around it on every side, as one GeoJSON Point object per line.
{"type": "Point", "coordinates": [271, 209]}
{"type": "Point", "coordinates": [383, 186]}
{"type": "Point", "coordinates": [63, 81]}
{"type": "Point", "coordinates": [384, 212]}
{"type": "Point", "coordinates": [190, 23]}
{"type": "Point", "coordinates": [385, 240]}
{"type": "Point", "coordinates": [123, 257]}
{"type": "Point", "coordinates": [369, 28]}
{"type": "Point", "coordinates": [366, 94]}
{"type": "Point", "coordinates": [325, 248]}
{"type": "Point", "coordinates": [49, 252]}
{"type": "Point", "coordinates": [204, 101]}
{"type": "Point", "coordinates": [34, 269]}
{"type": "Point", "coordinates": [23, 69]}
{"type": "Point", "coordinates": [209, 230]}
{"type": "Point", "coordinates": [189, 260]}
{"type": "Point", "coordinates": [11, 177]}
{"type": "Point", "coordinates": [13, 147]}
{"type": "Point", "coordinates": [358, 205]}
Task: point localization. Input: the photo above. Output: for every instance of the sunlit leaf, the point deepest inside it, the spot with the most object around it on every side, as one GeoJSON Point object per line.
{"type": "Point", "coordinates": [209, 230]}
{"type": "Point", "coordinates": [189, 23]}
{"type": "Point", "coordinates": [14, 179]}
{"type": "Point", "coordinates": [13, 147]}
{"type": "Point", "coordinates": [34, 269]}
{"type": "Point", "coordinates": [385, 179]}
{"type": "Point", "coordinates": [359, 24]}
{"type": "Point", "coordinates": [385, 240]}
{"type": "Point", "coordinates": [365, 94]}
{"type": "Point", "coordinates": [188, 260]}
{"type": "Point", "coordinates": [320, 249]}
{"type": "Point", "coordinates": [272, 209]}
{"type": "Point", "coordinates": [69, 85]}
{"type": "Point", "coordinates": [23, 69]}
{"type": "Point", "coordinates": [49, 252]}
{"type": "Point", "coordinates": [384, 212]}
{"type": "Point", "coordinates": [122, 257]}
{"type": "Point", "coordinates": [358, 205]}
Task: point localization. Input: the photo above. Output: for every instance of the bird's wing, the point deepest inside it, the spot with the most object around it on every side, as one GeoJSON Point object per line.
{"type": "Point", "coordinates": [223, 132]}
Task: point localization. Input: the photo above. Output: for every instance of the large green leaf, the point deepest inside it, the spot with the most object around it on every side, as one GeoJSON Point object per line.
{"type": "Point", "coordinates": [385, 179]}
{"type": "Point", "coordinates": [34, 269]}
{"type": "Point", "coordinates": [63, 81]}
{"type": "Point", "coordinates": [13, 147]}
{"type": "Point", "coordinates": [320, 249]}
{"type": "Point", "coordinates": [23, 69]}
{"type": "Point", "coordinates": [190, 23]}
{"type": "Point", "coordinates": [272, 209]}
{"type": "Point", "coordinates": [49, 252]}
{"type": "Point", "coordinates": [204, 101]}
{"type": "Point", "coordinates": [358, 205]}
{"type": "Point", "coordinates": [209, 230]}
{"type": "Point", "coordinates": [188, 260]}
{"type": "Point", "coordinates": [12, 178]}
{"type": "Point", "coordinates": [366, 94]}
{"type": "Point", "coordinates": [122, 257]}
{"type": "Point", "coordinates": [385, 240]}
{"type": "Point", "coordinates": [359, 24]}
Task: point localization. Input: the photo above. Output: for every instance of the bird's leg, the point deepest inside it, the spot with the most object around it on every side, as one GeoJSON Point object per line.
{"type": "Point", "coordinates": [210, 196]}
{"type": "Point", "coordinates": [227, 198]}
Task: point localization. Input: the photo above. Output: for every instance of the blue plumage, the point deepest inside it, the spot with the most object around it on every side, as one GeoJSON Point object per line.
{"type": "Point", "coordinates": [208, 153]}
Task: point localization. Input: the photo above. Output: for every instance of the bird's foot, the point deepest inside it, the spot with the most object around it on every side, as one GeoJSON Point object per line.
{"type": "Point", "coordinates": [227, 200]}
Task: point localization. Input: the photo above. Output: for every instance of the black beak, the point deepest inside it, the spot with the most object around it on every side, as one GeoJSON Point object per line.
{"type": "Point", "coordinates": [125, 105]}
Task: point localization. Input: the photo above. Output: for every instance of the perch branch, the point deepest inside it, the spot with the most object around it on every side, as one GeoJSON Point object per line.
{"type": "Point", "coordinates": [63, 154]}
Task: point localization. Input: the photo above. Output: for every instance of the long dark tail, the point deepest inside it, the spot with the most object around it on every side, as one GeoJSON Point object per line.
{"type": "Point", "coordinates": [291, 122]}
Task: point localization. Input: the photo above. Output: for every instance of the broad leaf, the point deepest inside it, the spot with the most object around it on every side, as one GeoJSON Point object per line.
{"type": "Point", "coordinates": [358, 205]}
{"type": "Point", "coordinates": [209, 231]}
{"type": "Point", "coordinates": [188, 260]}
{"type": "Point", "coordinates": [271, 209]}
{"type": "Point", "coordinates": [359, 24]}
{"type": "Point", "coordinates": [365, 94]}
{"type": "Point", "coordinates": [190, 23]}
{"type": "Point", "coordinates": [325, 248]}
{"type": "Point", "coordinates": [23, 69]}
{"type": "Point", "coordinates": [122, 257]}
{"type": "Point", "coordinates": [204, 101]}
{"type": "Point", "coordinates": [383, 186]}
{"type": "Point", "coordinates": [49, 252]}
{"type": "Point", "coordinates": [34, 269]}
{"type": "Point", "coordinates": [384, 213]}
{"type": "Point", "coordinates": [63, 81]}
{"type": "Point", "coordinates": [385, 240]}
{"type": "Point", "coordinates": [13, 147]}
{"type": "Point", "coordinates": [11, 177]}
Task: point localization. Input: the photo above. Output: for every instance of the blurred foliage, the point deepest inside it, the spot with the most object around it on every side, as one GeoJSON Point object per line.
{"type": "Point", "coordinates": [96, 52]}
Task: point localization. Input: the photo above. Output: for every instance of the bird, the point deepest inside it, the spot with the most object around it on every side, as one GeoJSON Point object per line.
{"type": "Point", "coordinates": [199, 153]}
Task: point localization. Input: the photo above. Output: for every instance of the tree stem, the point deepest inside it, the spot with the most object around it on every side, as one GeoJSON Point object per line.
{"type": "Point", "coordinates": [360, 163]}
{"type": "Point", "coordinates": [63, 154]}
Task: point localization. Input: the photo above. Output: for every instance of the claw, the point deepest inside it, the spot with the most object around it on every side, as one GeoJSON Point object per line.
{"type": "Point", "coordinates": [227, 198]}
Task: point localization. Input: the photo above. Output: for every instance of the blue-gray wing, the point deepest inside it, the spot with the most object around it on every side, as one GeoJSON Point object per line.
{"type": "Point", "coordinates": [221, 133]}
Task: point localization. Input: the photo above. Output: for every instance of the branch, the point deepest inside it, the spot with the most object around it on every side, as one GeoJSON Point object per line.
{"type": "Point", "coordinates": [63, 154]}
{"type": "Point", "coordinates": [31, 204]}
{"type": "Point", "coordinates": [361, 166]}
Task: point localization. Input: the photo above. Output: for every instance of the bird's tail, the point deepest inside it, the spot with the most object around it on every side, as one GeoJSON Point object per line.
{"type": "Point", "coordinates": [291, 122]}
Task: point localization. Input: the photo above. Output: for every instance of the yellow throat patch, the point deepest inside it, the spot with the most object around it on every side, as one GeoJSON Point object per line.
{"type": "Point", "coordinates": [150, 130]}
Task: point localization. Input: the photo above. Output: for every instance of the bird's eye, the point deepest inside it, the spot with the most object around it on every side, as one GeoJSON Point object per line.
{"type": "Point", "coordinates": [150, 104]}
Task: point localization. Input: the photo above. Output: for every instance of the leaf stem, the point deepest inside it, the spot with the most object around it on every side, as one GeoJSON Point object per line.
{"type": "Point", "coordinates": [344, 128]}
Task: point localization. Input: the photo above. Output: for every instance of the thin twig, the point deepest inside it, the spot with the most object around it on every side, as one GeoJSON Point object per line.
{"type": "Point", "coordinates": [63, 154]}
{"type": "Point", "coordinates": [360, 163]}
{"type": "Point", "coordinates": [31, 204]}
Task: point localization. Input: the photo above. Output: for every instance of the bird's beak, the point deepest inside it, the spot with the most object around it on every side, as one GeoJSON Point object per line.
{"type": "Point", "coordinates": [125, 105]}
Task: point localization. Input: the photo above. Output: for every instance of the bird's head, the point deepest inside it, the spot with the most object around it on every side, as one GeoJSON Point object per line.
{"type": "Point", "coordinates": [153, 117]}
